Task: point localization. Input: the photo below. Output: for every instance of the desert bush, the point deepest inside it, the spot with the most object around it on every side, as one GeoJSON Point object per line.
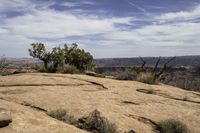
{"type": "Point", "coordinates": [57, 114]}
{"type": "Point", "coordinates": [96, 123]}
{"type": "Point", "coordinates": [172, 126]}
{"type": "Point", "coordinates": [42, 69]}
{"type": "Point", "coordinates": [70, 119]}
{"type": "Point", "coordinates": [4, 64]}
{"type": "Point", "coordinates": [127, 74]}
{"type": "Point", "coordinates": [37, 68]}
{"type": "Point", "coordinates": [147, 77]}
{"type": "Point", "coordinates": [61, 114]}
{"type": "Point", "coordinates": [71, 70]}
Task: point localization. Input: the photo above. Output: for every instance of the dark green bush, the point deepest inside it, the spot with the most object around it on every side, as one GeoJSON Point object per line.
{"type": "Point", "coordinates": [71, 70]}
{"type": "Point", "coordinates": [37, 68]}
{"type": "Point", "coordinates": [42, 69]}
{"type": "Point", "coordinates": [172, 126]}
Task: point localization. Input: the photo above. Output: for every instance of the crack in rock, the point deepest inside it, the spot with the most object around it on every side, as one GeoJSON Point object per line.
{"type": "Point", "coordinates": [166, 96]}
{"type": "Point", "coordinates": [129, 102]}
{"type": "Point", "coordinates": [33, 106]}
{"type": "Point", "coordinates": [91, 82]}
{"type": "Point", "coordinates": [16, 85]}
{"type": "Point", "coordinates": [145, 120]}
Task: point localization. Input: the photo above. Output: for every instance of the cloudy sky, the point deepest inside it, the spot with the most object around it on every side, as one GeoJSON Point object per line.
{"type": "Point", "coordinates": [106, 28]}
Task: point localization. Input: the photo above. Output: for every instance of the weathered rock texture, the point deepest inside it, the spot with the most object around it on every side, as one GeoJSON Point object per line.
{"type": "Point", "coordinates": [130, 105]}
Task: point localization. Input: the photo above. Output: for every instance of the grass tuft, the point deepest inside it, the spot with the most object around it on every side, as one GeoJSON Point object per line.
{"type": "Point", "coordinates": [96, 123]}
{"type": "Point", "coordinates": [172, 126]}
{"type": "Point", "coordinates": [146, 77]}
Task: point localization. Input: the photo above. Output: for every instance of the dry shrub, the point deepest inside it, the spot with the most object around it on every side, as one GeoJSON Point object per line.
{"type": "Point", "coordinates": [96, 123]}
{"type": "Point", "coordinates": [147, 77]}
{"type": "Point", "coordinates": [71, 70]}
{"type": "Point", "coordinates": [57, 114]}
{"type": "Point", "coordinates": [61, 114]}
{"type": "Point", "coordinates": [172, 126]}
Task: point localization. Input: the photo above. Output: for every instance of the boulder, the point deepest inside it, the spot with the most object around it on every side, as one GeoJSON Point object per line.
{"type": "Point", "coordinates": [5, 118]}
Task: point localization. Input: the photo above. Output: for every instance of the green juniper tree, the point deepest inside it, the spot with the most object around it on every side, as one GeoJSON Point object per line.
{"type": "Point", "coordinates": [78, 57]}
{"type": "Point", "coordinates": [39, 51]}
{"type": "Point", "coordinates": [57, 58]}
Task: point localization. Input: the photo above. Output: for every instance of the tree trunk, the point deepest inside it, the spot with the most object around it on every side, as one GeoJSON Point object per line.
{"type": "Point", "coordinates": [45, 65]}
{"type": "Point", "coordinates": [55, 67]}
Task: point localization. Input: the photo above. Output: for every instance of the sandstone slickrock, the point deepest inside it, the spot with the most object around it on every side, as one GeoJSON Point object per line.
{"type": "Point", "coordinates": [121, 103]}
{"type": "Point", "coordinates": [5, 118]}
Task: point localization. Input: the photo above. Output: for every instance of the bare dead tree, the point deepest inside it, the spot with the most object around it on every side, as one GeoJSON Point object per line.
{"type": "Point", "coordinates": [164, 67]}
{"type": "Point", "coordinates": [3, 64]}
{"type": "Point", "coordinates": [143, 63]}
{"type": "Point", "coordinates": [156, 66]}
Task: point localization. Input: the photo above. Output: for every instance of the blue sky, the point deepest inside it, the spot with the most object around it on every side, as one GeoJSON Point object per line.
{"type": "Point", "coordinates": [106, 28]}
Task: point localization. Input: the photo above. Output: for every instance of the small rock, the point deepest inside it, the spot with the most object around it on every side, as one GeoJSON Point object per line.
{"type": "Point", "coordinates": [5, 118]}
{"type": "Point", "coordinates": [90, 73]}
{"type": "Point", "coordinates": [131, 131]}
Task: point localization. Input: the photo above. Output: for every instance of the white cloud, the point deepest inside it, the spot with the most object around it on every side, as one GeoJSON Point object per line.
{"type": "Point", "coordinates": [18, 32]}
{"type": "Point", "coordinates": [180, 16]}
{"type": "Point", "coordinates": [49, 23]}
{"type": "Point", "coordinates": [75, 4]}
{"type": "Point", "coordinates": [161, 35]}
{"type": "Point", "coordinates": [22, 30]}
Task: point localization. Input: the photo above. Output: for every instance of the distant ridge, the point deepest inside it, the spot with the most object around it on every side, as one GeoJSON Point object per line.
{"type": "Point", "coordinates": [180, 61]}
{"type": "Point", "coordinates": [186, 61]}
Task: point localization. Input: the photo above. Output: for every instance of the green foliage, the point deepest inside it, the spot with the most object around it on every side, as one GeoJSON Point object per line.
{"type": "Point", "coordinates": [37, 68]}
{"type": "Point", "coordinates": [41, 69]}
{"type": "Point", "coordinates": [172, 126]}
{"type": "Point", "coordinates": [58, 57]}
{"type": "Point", "coordinates": [96, 123]}
{"type": "Point", "coordinates": [78, 57]}
{"type": "Point", "coordinates": [38, 51]}
{"type": "Point", "coordinates": [71, 70]}
{"type": "Point", "coordinates": [147, 77]}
